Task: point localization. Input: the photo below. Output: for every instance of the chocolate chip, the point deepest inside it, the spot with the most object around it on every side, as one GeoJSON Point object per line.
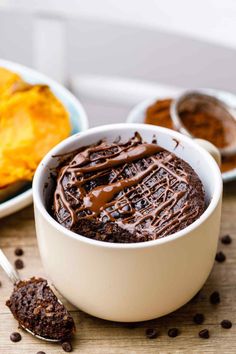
{"type": "Point", "coordinates": [226, 324]}
{"type": "Point", "coordinates": [226, 240]}
{"type": "Point", "coordinates": [19, 251]}
{"type": "Point", "coordinates": [19, 264]}
{"type": "Point", "coordinates": [220, 257]}
{"type": "Point", "coordinates": [15, 337]}
{"type": "Point", "coordinates": [204, 333]}
{"type": "Point", "coordinates": [173, 332]}
{"type": "Point", "coordinates": [215, 298]}
{"type": "Point", "coordinates": [0, 284]}
{"type": "Point", "coordinates": [198, 318]}
{"type": "Point", "coordinates": [41, 353]}
{"type": "Point", "coordinates": [67, 347]}
{"type": "Point", "coordinates": [151, 333]}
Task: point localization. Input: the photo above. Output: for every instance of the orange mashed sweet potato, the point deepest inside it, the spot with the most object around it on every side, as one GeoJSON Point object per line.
{"type": "Point", "coordinates": [32, 121]}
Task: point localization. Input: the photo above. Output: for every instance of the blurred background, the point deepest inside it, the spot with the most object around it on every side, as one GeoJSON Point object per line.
{"type": "Point", "coordinates": [113, 54]}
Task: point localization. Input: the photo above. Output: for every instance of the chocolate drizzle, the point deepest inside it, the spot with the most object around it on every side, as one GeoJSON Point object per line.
{"type": "Point", "coordinates": [140, 187]}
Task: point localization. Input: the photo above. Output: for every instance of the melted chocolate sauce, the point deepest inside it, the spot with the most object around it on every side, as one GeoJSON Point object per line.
{"type": "Point", "coordinates": [138, 186]}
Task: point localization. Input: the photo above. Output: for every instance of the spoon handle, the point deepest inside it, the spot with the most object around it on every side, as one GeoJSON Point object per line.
{"type": "Point", "coordinates": [8, 268]}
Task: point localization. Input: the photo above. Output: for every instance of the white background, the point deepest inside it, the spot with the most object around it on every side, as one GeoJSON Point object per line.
{"type": "Point", "coordinates": [181, 43]}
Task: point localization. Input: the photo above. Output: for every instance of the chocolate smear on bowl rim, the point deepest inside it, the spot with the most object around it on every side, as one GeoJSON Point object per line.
{"type": "Point", "coordinates": [127, 192]}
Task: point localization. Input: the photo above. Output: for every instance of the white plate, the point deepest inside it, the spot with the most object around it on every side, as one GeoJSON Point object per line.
{"type": "Point", "coordinates": [78, 119]}
{"type": "Point", "coordinates": [137, 115]}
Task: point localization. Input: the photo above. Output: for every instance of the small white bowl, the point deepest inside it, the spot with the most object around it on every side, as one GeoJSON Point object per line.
{"type": "Point", "coordinates": [78, 119]}
{"type": "Point", "coordinates": [130, 282]}
{"type": "Point", "coordinates": [138, 113]}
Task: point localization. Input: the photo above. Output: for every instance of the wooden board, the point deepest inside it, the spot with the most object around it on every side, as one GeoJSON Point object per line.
{"type": "Point", "coordinates": [98, 336]}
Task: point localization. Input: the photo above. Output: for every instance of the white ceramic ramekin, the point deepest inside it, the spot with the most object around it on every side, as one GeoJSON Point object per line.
{"type": "Point", "coordinates": [130, 282]}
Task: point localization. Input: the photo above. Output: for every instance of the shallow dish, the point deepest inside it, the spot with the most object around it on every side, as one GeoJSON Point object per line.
{"type": "Point", "coordinates": [135, 281]}
{"type": "Point", "coordinates": [137, 115]}
{"type": "Point", "coordinates": [78, 121]}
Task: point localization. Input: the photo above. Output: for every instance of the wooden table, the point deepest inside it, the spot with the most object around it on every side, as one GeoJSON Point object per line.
{"type": "Point", "coordinates": [98, 336]}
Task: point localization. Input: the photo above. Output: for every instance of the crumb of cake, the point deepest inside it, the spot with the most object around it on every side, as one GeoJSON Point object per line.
{"type": "Point", "coordinates": [36, 307]}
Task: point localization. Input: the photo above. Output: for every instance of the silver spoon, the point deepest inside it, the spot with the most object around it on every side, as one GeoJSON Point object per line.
{"type": "Point", "coordinates": [189, 100]}
{"type": "Point", "coordinates": [14, 277]}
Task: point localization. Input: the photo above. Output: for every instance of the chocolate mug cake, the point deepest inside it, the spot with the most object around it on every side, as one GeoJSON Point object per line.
{"type": "Point", "coordinates": [126, 192]}
{"type": "Point", "coordinates": [36, 308]}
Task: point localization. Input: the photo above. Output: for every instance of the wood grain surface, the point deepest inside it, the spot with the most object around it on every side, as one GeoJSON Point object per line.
{"type": "Point", "coordinates": [99, 336]}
